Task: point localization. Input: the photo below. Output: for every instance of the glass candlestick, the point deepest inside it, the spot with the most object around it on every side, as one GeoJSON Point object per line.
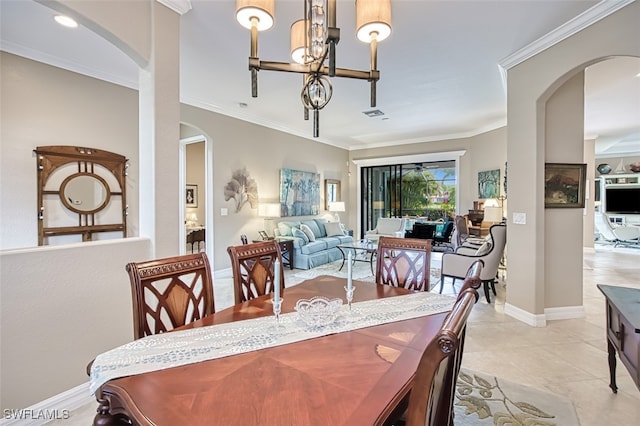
{"type": "Point", "coordinates": [349, 289]}
{"type": "Point", "coordinates": [277, 308]}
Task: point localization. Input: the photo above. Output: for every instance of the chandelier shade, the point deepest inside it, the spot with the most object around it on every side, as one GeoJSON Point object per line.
{"type": "Point", "coordinates": [262, 10]}
{"type": "Point", "coordinates": [373, 20]}
{"type": "Point", "coordinates": [313, 46]}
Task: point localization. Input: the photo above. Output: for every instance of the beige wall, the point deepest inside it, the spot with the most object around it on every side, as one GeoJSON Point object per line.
{"type": "Point", "coordinates": [195, 175]}
{"type": "Point", "coordinates": [487, 151]}
{"type": "Point", "coordinates": [263, 152]}
{"type": "Point", "coordinates": [530, 85]}
{"type": "Point", "coordinates": [44, 105]}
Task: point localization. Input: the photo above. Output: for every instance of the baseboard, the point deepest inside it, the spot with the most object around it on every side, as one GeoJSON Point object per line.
{"type": "Point", "coordinates": [57, 407]}
{"type": "Point", "coordinates": [565, 312]}
{"type": "Point", "coordinates": [524, 316]}
{"type": "Point", "coordinates": [550, 314]}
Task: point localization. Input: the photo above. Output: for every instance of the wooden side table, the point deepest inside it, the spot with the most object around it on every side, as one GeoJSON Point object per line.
{"type": "Point", "coordinates": [623, 330]}
{"type": "Point", "coordinates": [286, 249]}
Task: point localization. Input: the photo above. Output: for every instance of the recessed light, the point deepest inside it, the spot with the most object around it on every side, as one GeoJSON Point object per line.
{"type": "Point", "coordinates": [66, 21]}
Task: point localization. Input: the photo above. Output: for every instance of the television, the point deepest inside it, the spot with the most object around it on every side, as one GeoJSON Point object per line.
{"type": "Point", "coordinates": [622, 200]}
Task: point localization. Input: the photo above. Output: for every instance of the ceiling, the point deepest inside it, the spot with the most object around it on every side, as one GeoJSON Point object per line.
{"type": "Point", "coordinates": [440, 68]}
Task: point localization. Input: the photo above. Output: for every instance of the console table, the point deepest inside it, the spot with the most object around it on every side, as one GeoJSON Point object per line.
{"type": "Point", "coordinates": [623, 330]}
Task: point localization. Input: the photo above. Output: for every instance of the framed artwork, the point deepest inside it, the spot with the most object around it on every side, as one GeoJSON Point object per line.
{"type": "Point", "coordinates": [489, 184]}
{"type": "Point", "coordinates": [332, 192]}
{"type": "Point", "coordinates": [191, 196]}
{"type": "Point", "coordinates": [564, 185]}
{"type": "Point", "coordinates": [299, 193]}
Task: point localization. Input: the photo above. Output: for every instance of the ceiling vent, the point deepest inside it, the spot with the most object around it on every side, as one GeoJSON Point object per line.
{"type": "Point", "coordinates": [373, 113]}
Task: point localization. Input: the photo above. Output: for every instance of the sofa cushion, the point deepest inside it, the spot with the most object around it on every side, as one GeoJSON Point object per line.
{"type": "Point", "coordinates": [285, 228]}
{"type": "Point", "coordinates": [297, 232]}
{"type": "Point", "coordinates": [333, 229]}
{"type": "Point", "coordinates": [313, 247]}
{"type": "Point", "coordinates": [321, 225]}
{"type": "Point", "coordinates": [313, 226]}
{"type": "Point", "coordinates": [331, 241]}
{"type": "Point", "coordinates": [308, 232]}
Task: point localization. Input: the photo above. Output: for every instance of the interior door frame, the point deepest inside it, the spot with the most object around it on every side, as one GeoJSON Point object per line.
{"type": "Point", "coordinates": [207, 191]}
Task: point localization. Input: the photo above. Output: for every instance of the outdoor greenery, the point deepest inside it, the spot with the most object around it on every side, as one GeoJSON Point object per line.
{"type": "Point", "coordinates": [424, 194]}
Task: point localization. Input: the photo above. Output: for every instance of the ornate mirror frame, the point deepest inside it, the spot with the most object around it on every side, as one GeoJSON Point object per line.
{"type": "Point", "coordinates": [74, 165]}
{"type": "Point", "coordinates": [332, 192]}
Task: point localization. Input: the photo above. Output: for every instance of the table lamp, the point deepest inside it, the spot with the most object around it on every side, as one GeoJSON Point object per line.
{"type": "Point", "coordinates": [337, 206]}
{"type": "Point", "coordinates": [269, 211]}
{"type": "Point", "coordinates": [492, 211]}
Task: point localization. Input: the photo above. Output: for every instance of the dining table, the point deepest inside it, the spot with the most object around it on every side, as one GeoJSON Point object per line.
{"type": "Point", "coordinates": [362, 376]}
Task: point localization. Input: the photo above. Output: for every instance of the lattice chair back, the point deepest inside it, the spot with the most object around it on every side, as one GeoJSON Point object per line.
{"type": "Point", "coordinates": [170, 292]}
{"type": "Point", "coordinates": [403, 262]}
{"type": "Point", "coordinates": [253, 269]}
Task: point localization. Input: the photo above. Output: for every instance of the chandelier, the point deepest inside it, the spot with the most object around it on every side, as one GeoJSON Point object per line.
{"type": "Point", "coordinates": [313, 46]}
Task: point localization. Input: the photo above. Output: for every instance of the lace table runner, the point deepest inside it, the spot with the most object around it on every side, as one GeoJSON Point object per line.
{"type": "Point", "coordinates": [161, 351]}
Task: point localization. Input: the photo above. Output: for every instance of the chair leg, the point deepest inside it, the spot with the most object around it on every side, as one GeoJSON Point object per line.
{"type": "Point", "coordinates": [493, 287]}
{"type": "Point", "coordinates": [441, 283]}
{"type": "Point", "coordinates": [486, 291]}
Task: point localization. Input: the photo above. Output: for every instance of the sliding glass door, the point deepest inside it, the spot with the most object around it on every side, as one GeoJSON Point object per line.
{"type": "Point", "coordinates": [425, 190]}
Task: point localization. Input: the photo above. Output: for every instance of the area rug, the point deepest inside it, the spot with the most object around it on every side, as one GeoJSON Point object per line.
{"type": "Point", "coordinates": [482, 399]}
{"type": "Point", "coordinates": [361, 271]}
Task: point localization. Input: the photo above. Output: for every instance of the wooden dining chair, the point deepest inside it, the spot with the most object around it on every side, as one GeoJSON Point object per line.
{"type": "Point", "coordinates": [253, 269]}
{"type": "Point", "coordinates": [403, 262]}
{"type": "Point", "coordinates": [170, 292]}
{"type": "Point", "coordinates": [433, 390]}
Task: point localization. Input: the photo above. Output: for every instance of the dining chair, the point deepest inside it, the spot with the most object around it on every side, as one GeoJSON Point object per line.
{"type": "Point", "coordinates": [253, 269]}
{"type": "Point", "coordinates": [170, 292]}
{"type": "Point", "coordinates": [433, 390]}
{"type": "Point", "coordinates": [403, 262]}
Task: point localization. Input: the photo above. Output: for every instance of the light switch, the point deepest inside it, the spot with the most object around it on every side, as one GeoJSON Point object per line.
{"type": "Point", "coordinates": [520, 218]}
{"type": "Point", "coordinates": [224, 212]}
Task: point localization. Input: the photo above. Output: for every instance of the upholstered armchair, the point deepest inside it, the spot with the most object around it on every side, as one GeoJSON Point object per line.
{"type": "Point", "coordinates": [388, 227]}
{"type": "Point", "coordinates": [455, 265]}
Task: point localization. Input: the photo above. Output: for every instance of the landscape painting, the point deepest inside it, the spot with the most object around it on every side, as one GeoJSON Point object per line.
{"type": "Point", "coordinates": [564, 185]}
{"type": "Point", "coordinates": [489, 184]}
{"type": "Point", "coordinates": [299, 193]}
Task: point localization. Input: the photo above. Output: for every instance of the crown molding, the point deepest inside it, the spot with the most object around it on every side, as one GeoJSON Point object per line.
{"type": "Point", "coordinates": [580, 22]}
{"type": "Point", "coordinates": [179, 6]}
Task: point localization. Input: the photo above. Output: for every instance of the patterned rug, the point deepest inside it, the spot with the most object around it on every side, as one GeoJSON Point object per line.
{"type": "Point", "coordinates": [482, 399]}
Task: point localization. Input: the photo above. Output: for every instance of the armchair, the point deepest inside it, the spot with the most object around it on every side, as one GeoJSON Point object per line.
{"type": "Point", "coordinates": [388, 227]}
{"type": "Point", "coordinates": [455, 265]}
{"type": "Point", "coordinates": [617, 234]}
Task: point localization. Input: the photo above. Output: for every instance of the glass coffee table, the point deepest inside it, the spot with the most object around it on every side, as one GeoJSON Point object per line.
{"type": "Point", "coordinates": [366, 248]}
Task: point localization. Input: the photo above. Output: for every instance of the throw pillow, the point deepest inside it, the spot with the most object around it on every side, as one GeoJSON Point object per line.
{"type": "Point", "coordinates": [333, 229]}
{"type": "Point", "coordinates": [298, 233]}
{"type": "Point", "coordinates": [484, 249]}
{"type": "Point", "coordinates": [304, 228]}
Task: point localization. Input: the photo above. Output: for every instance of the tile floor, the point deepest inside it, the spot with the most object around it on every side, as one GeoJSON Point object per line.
{"type": "Point", "coordinates": [568, 357]}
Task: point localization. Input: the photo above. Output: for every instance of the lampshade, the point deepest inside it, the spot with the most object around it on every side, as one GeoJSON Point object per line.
{"type": "Point", "coordinates": [263, 10]}
{"type": "Point", "coordinates": [491, 202]}
{"type": "Point", "coordinates": [193, 217]}
{"type": "Point", "coordinates": [492, 214]}
{"type": "Point", "coordinates": [373, 17]}
{"type": "Point", "coordinates": [337, 206]}
{"type": "Point", "coordinates": [298, 42]}
{"type": "Point", "coordinates": [378, 205]}
{"type": "Point", "coordinates": [269, 209]}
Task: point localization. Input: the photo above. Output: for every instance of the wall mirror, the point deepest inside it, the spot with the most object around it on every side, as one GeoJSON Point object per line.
{"type": "Point", "coordinates": [332, 192]}
{"type": "Point", "coordinates": [81, 194]}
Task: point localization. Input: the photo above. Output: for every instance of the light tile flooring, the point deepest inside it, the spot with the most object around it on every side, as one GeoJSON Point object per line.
{"type": "Point", "coordinates": [568, 357]}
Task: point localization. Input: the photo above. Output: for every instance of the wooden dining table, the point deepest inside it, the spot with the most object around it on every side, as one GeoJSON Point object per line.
{"type": "Point", "coordinates": [360, 377]}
